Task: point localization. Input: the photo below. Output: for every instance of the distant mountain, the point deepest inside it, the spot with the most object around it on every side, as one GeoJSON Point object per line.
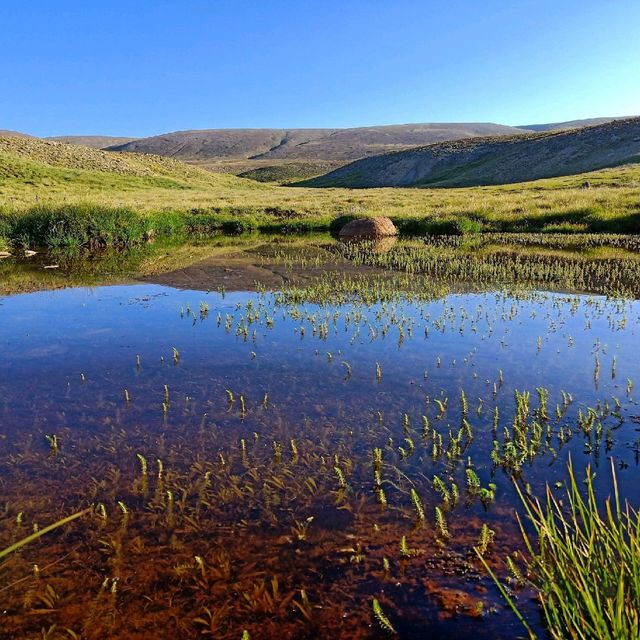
{"type": "Point", "coordinates": [486, 161]}
{"type": "Point", "coordinates": [7, 133]}
{"type": "Point", "coordinates": [94, 142]}
{"type": "Point", "coordinates": [571, 124]}
{"type": "Point", "coordinates": [304, 144]}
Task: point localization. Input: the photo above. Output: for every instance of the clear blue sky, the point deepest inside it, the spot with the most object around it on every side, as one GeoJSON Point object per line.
{"type": "Point", "coordinates": [140, 67]}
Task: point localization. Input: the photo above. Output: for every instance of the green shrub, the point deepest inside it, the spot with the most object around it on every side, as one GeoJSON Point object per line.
{"type": "Point", "coordinates": [467, 226]}
{"type": "Point", "coordinates": [77, 226]}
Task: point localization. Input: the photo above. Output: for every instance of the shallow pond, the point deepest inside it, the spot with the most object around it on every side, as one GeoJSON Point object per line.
{"type": "Point", "coordinates": [277, 459]}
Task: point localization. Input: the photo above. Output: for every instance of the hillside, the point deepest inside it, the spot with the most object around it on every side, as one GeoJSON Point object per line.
{"type": "Point", "coordinates": [42, 171]}
{"type": "Point", "coordinates": [54, 177]}
{"type": "Point", "coordinates": [490, 161]}
{"type": "Point", "coordinates": [303, 144]}
{"type": "Point", "coordinates": [570, 124]}
{"type": "Point", "coordinates": [95, 142]}
{"type": "Point", "coordinates": [13, 134]}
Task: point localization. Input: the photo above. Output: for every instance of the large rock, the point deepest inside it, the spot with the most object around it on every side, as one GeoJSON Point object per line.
{"type": "Point", "coordinates": [368, 228]}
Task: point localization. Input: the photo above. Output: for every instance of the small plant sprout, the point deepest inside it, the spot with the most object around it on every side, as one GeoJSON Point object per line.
{"type": "Point", "coordinates": [101, 512]}
{"type": "Point", "coordinates": [82, 378]}
{"type": "Point", "coordinates": [265, 400]}
{"type": "Point", "coordinates": [441, 523]}
{"type": "Point", "coordinates": [486, 539]}
{"type": "Point", "coordinates": [348, 369]}
{"type": "Point", "coordinates": [176, 355]}
{"type": "Point", "coordinates": [300, 529]}
{"type": "Point", "coordinates": [230, 397]}
{"type": "Point", "coordinates": [405, 552]}
{"type": "Point", "coordinates": [382, 619]}
{"type": "Point", "coordinates": [170, 503]}
{"type": "Point", "coordinates": [277, 452]}
{"type": "Point", "coordinates": [144, 480]}
{"type": "Point", "coordinates": [243, 409]}
{"type": "Point", "coordinates": [340, 476]}
{"type": "Point", "coordinates": [127, 397]}
{"type": "Point", "coordinates": [125, 512]}
{"type": "Point", "coordinates": [53, 444]}
{"type": "Point", "coordinates": [417, 504]}
{"type": "Point", "coordinates": [200, 566]}
{"type": "Point", "coordinates": [378, 372]}
{"type": "Point", "coordinates": [294, 450]}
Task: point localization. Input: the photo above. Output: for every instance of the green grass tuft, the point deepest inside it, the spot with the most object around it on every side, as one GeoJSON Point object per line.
{"type": "Point", "coordinates": [584, 562]}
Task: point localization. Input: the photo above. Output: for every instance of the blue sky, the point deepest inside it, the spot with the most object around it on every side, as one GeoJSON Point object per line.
{"type": "Point", "coordinates": [140, 68]}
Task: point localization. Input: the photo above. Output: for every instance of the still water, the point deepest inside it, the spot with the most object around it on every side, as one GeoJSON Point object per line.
{"type": "Point", "coordinates": [274, 460]}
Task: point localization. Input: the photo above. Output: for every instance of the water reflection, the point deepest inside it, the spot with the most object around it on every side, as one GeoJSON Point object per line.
{"type": "Point", "coordinates": [271, 461]}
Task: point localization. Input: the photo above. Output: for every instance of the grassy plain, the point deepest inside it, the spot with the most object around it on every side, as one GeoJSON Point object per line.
{"type": "Point", "coordinates": [42, 182]}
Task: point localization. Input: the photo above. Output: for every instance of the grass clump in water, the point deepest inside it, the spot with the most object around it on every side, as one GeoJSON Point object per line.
{"type": "Point", "coordinates": [584, 563]}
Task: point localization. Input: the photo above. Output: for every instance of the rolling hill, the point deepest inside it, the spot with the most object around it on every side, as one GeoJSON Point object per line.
{"type": "Point", "coordinates": [52, 178]}
{"type": "Point", "coordinates": [491, 161]}
{"type": "Point", "coordinates": [7, 133]}
{"type": "Point", "coordinates": [95, 142]}
{"type": "Point", "coordinates": [35, 171]}
{"type": "Point", "coordinates": [304, 144]}
{"type": "Point", "coordinates": [570, 124]}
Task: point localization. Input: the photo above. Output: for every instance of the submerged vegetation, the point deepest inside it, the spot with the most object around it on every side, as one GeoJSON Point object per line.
{"type": "Point", "coordinates": [331, 458]}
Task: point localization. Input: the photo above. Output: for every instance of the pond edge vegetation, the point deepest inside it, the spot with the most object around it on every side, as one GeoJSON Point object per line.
{"type": "Point", "coordinates": [583, 564]}
{"type": "Point", "coordinates": [97, 226]}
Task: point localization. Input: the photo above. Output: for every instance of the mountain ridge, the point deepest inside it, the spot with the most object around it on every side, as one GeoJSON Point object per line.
{"type": "Point", "coordinates": [494, 160]}
{"type": "Point", "coordinates": [304, 144]}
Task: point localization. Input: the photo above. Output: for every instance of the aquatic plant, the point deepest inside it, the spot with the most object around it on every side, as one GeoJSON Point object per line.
{"type": "Point", "coordinates": [584, 561]}
{"type": "Point", "coordinates": [380, 616]}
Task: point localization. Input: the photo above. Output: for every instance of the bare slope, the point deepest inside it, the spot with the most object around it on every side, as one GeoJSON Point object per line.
{"type": "Point", "coordinates": [570, 124]}
{"type": "Point", "coordinates": [304, 144]}
{"type": "Point", "coordinates": [489, 161]}
{"type": "Point", "coordinates": [7, 133]}
{"type": "Point", "coordinates": [95, 142]}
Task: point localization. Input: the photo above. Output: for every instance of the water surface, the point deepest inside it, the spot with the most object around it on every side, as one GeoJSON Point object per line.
{"type": "Point", "coordinates": [253, 456]}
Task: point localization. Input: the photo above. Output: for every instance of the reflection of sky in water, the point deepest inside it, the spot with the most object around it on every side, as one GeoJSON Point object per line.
{"type": "Point", "coordinates": [550, 340]}
{"type": "Point", "coordinates": [50, 338]}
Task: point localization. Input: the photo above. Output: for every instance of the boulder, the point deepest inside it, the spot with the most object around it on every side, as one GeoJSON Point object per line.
{"type": "Point", "coordinates": [368, 228]}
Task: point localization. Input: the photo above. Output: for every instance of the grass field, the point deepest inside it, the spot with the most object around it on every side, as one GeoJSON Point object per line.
{"type": "Point", "coordinates": [41, 182]}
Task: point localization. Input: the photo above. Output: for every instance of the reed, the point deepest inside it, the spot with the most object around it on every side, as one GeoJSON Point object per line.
{"type": "Point", "coordinates": [584, 561]}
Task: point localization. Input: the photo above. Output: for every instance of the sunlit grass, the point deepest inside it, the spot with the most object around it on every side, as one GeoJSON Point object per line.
{"type": "Point", "coordinates": [51, 177]}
